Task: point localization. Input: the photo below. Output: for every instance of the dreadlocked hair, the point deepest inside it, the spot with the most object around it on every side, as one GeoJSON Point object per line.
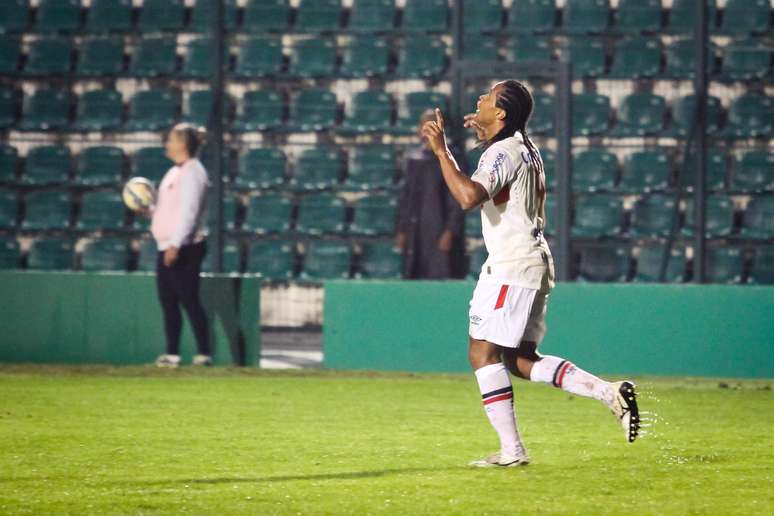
{"type": "Point", "coordinates": [516, 100]}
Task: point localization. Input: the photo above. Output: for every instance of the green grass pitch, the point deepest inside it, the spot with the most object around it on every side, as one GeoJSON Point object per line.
{"type": "Point", "coordinates": [222, 441]}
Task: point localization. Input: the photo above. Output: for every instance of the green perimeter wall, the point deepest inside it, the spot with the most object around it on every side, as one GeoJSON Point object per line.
{"type": "Point", "coordinates": [116, 318]}
{"type": "Point", "coordinates": [637, 329]}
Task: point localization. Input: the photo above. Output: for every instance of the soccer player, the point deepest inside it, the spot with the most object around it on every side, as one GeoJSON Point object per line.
{"type": "Point", "coordinates": [509, 302]}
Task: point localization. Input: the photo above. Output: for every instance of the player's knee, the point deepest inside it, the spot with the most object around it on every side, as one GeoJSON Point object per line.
{"type": "Point", "coordinates": [482, 353]}
{"type": "Point", "coordinates": [528, 351]}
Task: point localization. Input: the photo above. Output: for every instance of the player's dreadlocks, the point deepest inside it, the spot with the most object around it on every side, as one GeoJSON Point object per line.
{"type": "Point", "coordinates": [516, 100]}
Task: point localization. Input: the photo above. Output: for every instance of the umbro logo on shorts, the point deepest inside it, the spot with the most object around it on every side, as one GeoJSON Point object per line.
{"type": "Point", "coordinates": [474, 319]}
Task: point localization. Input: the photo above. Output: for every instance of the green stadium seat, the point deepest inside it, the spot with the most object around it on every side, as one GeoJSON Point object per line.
{"type": "Point", "coordinates": [46, 109]}
{"type": "Point", "coordinates": [480, 47]}
{"type": "Point", "coordinates": [421, 56]}
{"type": "Point", "coordinates": [532, 16]}
{"type": "Point", "coordinates": [683, 14]}
{"type": "Point", "coordinates": [272, 259]}
{"type": "Point", "coordinates": [716, 172]}
{"type": "Point", "coordinates": [370, 111]}
{"type": "Point", "coordinates": [151, 163]}
{"type": "Point", "coordinates": [9, 102]}
{"type": "Point", "coordinates": [426, 15]}
{"type": "Point", "coordinates": [153, 110]}
{"type": "Point", "coordinates": [49, 56]}
{"type": "Point", "coordinates": [482, 15]}
{"type": "Point", "coordinates": [591, 114]}
{"type": "Point", "coordinates": [380, 260]}
{"type": "Point", "coordinates": [594, 170]}
{"type": "Point", "coordinates": [321, 214]}
{"type": "Point", "coordinates": [750, 116]}
{"type": "Point", "coordinates": [46, 165]}
{"type": "Point", "coordinates": [636, 58]}
{"type": "Point", "coordinates": [681, 59]}
{"type": "Point", "coordinates": [530, 48]}
{"type": "Point", "coordinates": [232, 258]}
{"type": "Point", "coordinates": [58, 16]}
{"type": "Point", "coordinates": [260, 111]}
{"type": "Point", "coordinates": [542, 120]}
{"type": "Point", "coordinates": [762, 268]}
{"type": "Point", "coordinates": [318, 15]}
{"type": "Point", "coordinates": [47, 210]}
{"type": "Point", "coordinates": [648, 268]}
{"type": "Point", "coordinates": [198, 59]}
{"type": "Point", "coordinates": [9, 254]}
{"type": "Point", "coordinates": [652, 216]}
{"type": "Point", "coordinates": [754, 172]}
{"type": "Point", "coordinates": [107, 254]}
{"type": "Point", "coordinates": [638, 16]}
{"type": "Point", "coordinates": [317, 169]}
{"type": "Point", "coordinates": [268, 213]}
{"type": "Point", "coordinates": [99, 110]}
{"type": "Point", "coordinates": [476, 259]}
{"type": "Point", "coordinates": [313, 110]}
{"type": "Point", "coordinates": [9, 163]}
{"type": "Point", "coordinates": [261, 169]}
{"type": "Point", "coordinates": [758, 220]}
{"type": "Point", "coordinates": [746, 60]}
{"type": "Point", "coordinates": [266, 16]}
{"type": "Point", "coordinates": [374, 215]}
{"type": "Point", "coordinates": [14, 16]}
{"type": "Point", "coordinates": [587, 56]}
{"type": "Point", "coordinates": [641, 114]}
{"type": "Point", "coordinates": [101, 56]}
{"type": "Point", "coordinates": [372, 167]}
{"type": "Point", "coordinates": [197, 107]}
{"type": "Point", "coordinates": [603, 264]}
{"type": "Point", "coordinates": [326, 260]}
{"type": "Point", "coordinates": [207, 157]}
{"type": "Point", "coordinates": [203, 12]}
{"type": "Point", "coordinates": [645, 171]}
{"type": "Point", "coordinates": [154, 57]}
{"type": "Point", "coordinates": [53, 254]}
{"type": "Point", "coordinates": [724, 265]}
{"type": "Point", "coordinates": [684, 113]}
{"type": "Point", "coordinates": [109, 16]}
{"type": "Point", "coordinates": [9, 210]}
{"type": "Point", "coordinates": [101, 210]}
{"type": "Point", "coordinates": [10, 53]}
{"type": "Point", "coordinates": [259, 57]}
{"type": "Point", "coordinates": [101, 165]}
{"type": "Point", "coordinates": [414, 104]}
{"type": "Point", "coordinates": [585, 16]}
{"type": "Point", "coordinates": [473, 225]}
{"type": "Point", "coordinates": [147, 255]}
{"type": "Point", "coordinates": [598, 216]}
{"type": "Point", "coordinates": [549, 166]}
{"type": "Point", "coordinates": [719, 217]}
{"type": "Point", "coordinates": [314, 57]}
{"type": "Point", "coordinates": [365, 56]}
{"type": "Point", "coordinates": [161, 16]}
{"type": "Point", "coordinates": [230, 212]}
{"type": "Point", "coordinates": [746, 16]}
{"type": "Point", "coordinates": [372, 15]}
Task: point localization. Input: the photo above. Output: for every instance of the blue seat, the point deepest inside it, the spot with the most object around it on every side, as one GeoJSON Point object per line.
{"type": "Point", "coordinates": [746, 16]}
{"type": "Point", "coordinates": [532, 16]}
{"type": "Point", "coordinates": [653, 216]}
{"type": "Point", "coordinates": [161, 16]}
{"type": "Point", "coordinates": [14, 16]}
{"type": "Point", "coordinates": [641, 114]}
{"type": "Point", "coordinates": [58, 16]}
{"type": "Point", "coordinates": [9, 210]}
{"type": "Point", "coordinates": [49, 56]}
{"type": "Point", "coordinates": [47, 165]}
{"type": "Point", "coordinates": [594, 170]}
{"type": "Point", "coordinates": [750, 115]}
{"type": "Point", "coordinates": [636, 58]}
{"type": "Point", "coordinates": [591, 114]}
{"type": "Point", "coordinates": [10, 254]}
{"type": "Point", "coordinates": [754, 172]}
{"type": "Point", "coordinates": [603, 264]}
{"type": "Point", "coordinates": [638, 16]}
{"type": "Point", "coordinates": [649, 264]}
{"type": "Point", "coordinates": [109, 16]}
{"type": "Point", "coordinates": [586, 16]}
{"type": "Point", "coordinates": [724, 265]}
{"type": "Point", "coordinates": [645, 171]}
{"type": "Point", "coordinates": [326, 260]}
{"type": "Point", "coordinates": [598, 216]}
{"type": "Point", "coordinates": [266, 16]}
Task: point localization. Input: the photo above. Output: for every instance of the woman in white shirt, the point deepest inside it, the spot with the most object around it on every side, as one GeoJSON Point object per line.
{"type": "Point", "coordinates": [180, 233]}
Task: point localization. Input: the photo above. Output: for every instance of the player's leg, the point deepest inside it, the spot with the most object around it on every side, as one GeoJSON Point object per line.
{"type": "Point", "coordinates": [497, 396]}
{"type": "Point", "coordinates": [170, 307]}
{"type": "Point", "coordinates": [188, 280]}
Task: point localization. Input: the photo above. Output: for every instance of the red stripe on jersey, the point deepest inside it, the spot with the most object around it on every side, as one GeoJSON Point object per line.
{"type": "Point", "coordinates": [506, 396]}
{"type": "Point", "coordinates": [559, 378]}
{"type": "Point", "coordinates": [501, 298]}
{"type": "Point", "coordinates": [502, 197]}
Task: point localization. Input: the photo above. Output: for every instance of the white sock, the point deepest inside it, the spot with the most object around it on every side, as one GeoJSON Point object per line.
{"type": "Point", "coordinates": [563, 374]}
{"type": "Point", "coordinates": [497, 394]}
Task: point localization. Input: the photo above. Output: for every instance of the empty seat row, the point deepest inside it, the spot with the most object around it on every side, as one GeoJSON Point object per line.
{"type": "Point", "coordinates": [157, 56]}
{"type": "Point", "coordinates": [271, 259]}
{"type": "Point", "coordinates": [580, 16]}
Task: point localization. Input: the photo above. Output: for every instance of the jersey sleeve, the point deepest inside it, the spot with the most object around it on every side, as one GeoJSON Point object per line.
{"type": "Point", "coordinates": [496, 169]}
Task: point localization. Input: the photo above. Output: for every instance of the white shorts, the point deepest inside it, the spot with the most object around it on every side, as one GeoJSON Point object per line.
{"type": "Point", "coordinates": [506, 315]}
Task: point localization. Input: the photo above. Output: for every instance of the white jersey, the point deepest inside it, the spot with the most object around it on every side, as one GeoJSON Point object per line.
{"type": "Point", "coordinates": [512, 219]}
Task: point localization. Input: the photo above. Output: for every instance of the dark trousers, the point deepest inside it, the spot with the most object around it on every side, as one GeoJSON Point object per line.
{"type": "Point", "coordinates": [179, 285]}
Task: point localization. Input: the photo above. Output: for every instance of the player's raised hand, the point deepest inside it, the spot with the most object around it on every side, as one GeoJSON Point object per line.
{"type": "Point", "coordinates": [432, 131]}
{"type": "Point", "coordinates": [471, 123]}
{"type": "Point", "coordinates": [439, 118]}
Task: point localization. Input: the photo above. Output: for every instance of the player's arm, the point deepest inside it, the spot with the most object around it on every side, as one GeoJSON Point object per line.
{"type": "Point", "coordinates": [466, 192]}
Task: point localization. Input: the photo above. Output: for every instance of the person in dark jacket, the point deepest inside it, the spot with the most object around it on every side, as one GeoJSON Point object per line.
{"type": "Point", "coordinates": [430, 222]}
